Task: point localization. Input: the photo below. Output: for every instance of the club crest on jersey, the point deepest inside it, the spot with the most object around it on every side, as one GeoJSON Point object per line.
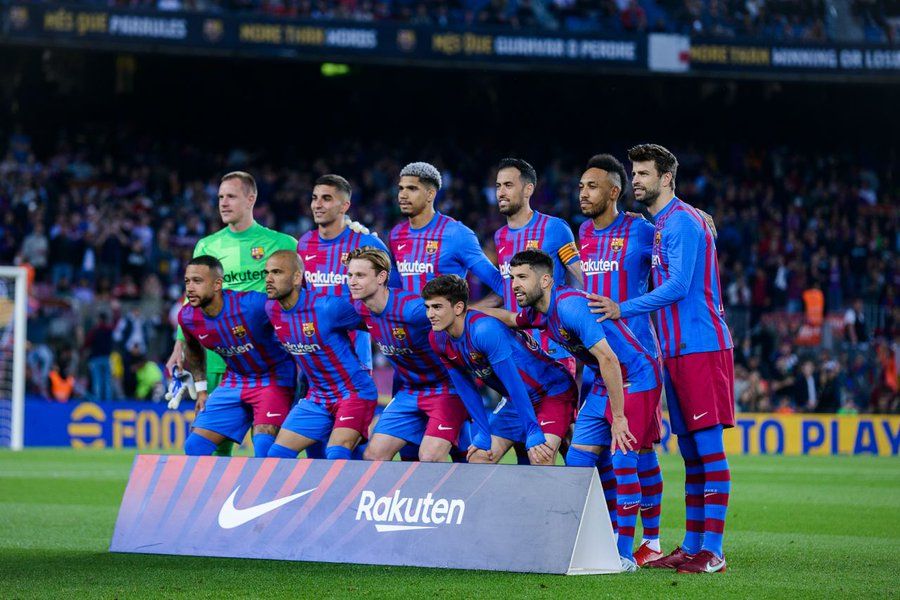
{"type": "Point", "coordinates": [431, 246]}
{"type": "Point", "coordinates": [617, 243]}
{"type": "Point", "coordinates": [257, 252]}
{"type": "Point", "coordinates": [399, 333]}
{"type": "Point", "coordinates": [309, 329]}
{"type": "Point", "coordinates": [564, 334]}
{"type": "Point", "coordinates": [476, 356]}
{"type": "Point", "coordinates": [344, 256]}
{"type": "Point", "coordinates": [239, 331]}
{"type": "Point", "coordinates": [658, 238]}
{"type": "Point", "coordinates": [532, 245]}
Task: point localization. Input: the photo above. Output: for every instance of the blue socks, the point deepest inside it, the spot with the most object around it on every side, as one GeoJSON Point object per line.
{"type": "Point", "coordinates": [317, 450]}
{"type": "Point", "coordinates": [717, 486]}
{"type": "Point", "coordinates": [197, 445]}
{"type": "Point", "coordinates": [261, 444]}
{"type": "Point", "coordinates": [651, 493]}
{"type": "Point", "coordinates": [628, 499]}
{"type": "Point", "coordinates": [693, 494]}
{"type": "Point", "coordinates": [608, 481]}
{"type": "Point", "coordinates": [338, 453]}
{"type": "Point", "coordinates": [279, 451]}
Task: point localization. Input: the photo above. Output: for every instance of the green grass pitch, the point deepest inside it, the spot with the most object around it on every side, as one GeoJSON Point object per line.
{"type": "Point", "coordinates": [798, 527]}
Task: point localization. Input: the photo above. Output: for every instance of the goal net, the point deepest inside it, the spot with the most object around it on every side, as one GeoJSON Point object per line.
{"type": "Point", "coordinates": [13, 298]}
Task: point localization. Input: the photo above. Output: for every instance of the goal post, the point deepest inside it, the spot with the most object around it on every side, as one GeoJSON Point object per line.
{"type": "Point", "coordinates": [13, 321]}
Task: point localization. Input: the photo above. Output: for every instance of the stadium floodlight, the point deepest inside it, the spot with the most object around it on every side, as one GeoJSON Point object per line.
{"type": "Point", "coordinates": [13, 302]}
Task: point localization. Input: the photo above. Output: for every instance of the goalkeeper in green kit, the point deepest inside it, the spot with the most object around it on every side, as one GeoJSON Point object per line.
{"type": "Point", "coordinates": [242, 246]}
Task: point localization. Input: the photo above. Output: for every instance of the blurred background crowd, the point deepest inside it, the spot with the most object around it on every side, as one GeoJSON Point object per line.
{"type": "Point", "coordinates": [106, 219]}
{"type": "Point", "coordinates": [785, 20]}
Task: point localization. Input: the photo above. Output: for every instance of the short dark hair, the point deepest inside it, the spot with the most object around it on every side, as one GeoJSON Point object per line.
{"type": "Point", "coordinates": [536, 259]}
{"type": "Point", "coordinates": [245, 178]}
{"type": "Point", "coordinates": [212, 262]}
{"type": "Point", "coordinates": [452, 287]}
{"type": "Point", "coordinates": [611, 165]}
{"type": "Point", "coordinates": [526, 171]}
{"type": "Point", "coordinates": [664, 160]}
{"type": "Point", "coordinates": [335, 181]}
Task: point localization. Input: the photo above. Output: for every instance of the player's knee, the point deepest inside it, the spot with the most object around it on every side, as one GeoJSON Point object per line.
{"type": "Point", "coordinates": [197, 445]}
{"type": "Point", "coordinates": [432, 455]}
{"type": "Point", "coordinates": [373, 452]}
{"type": "Point", "coordinates": [266, 429]}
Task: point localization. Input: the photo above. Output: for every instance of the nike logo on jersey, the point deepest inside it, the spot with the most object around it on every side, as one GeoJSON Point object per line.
{"type": "Point", "coordinates": [203, 336]}
{"type": "Point", "coordinates": [230, 516]}
{"type": "Point", "coordinates": [401, 246]}
{"type": "Point", "coordinates": [309, 257]}
{"type": "Point", "coordinates": [708, 494]}
{"type": "Point", "coordinates": [342, 419]}
{"type": "Point", "coordinates": [701, 415]}
{"type": "Point", "coordinates": [442, 428]}
{"type": "Point", "coordinates": [583, 246]}
{"type": "Point", "coordinates": [271, 414]}
{"type": "Point", "coordinates": [547, 423]}
{"type": "Point", "coordinates": [277, 327]}
{"type": "Point", "coordinates": [501, 250]}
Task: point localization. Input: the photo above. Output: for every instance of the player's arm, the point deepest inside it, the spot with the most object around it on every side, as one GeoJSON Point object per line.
{"type": "Point", "coordinates": [195, 363]}
{"type": "Point", "coordinates": [176, 359]}
{"type": "Point", "coordinates": [343, 315]}
{"type": "Point", "coordinates": [508, 374]}
{"type": "Point", "coordinates": [394, 279]}
{"type": "Point", "coordinates": [611, 371]}
{"type": "Point", "coordinates": [474, 260]}
{"type": "Point", "coordinates": [681, 248]}
{"type": "Point", "coordinates": [568, 253]}
{"type": "Point", "coordinates": [506, 317]}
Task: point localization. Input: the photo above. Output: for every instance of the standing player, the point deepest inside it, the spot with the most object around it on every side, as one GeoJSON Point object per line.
{"type": "Point", "coordinates": [242, 247]}
{"type": "Point", "coordinates": [626, 383]}
{"type": "Point", "coordinates": [258, 386]}
{"type": "Point", "coordinates": [430, 244]}
{"type": "Point", "coordinates": [528, 229]}
{"type": "Point", "coordinates": [541, 392]}
{"type": "Point", "coordinates": [425, 409]}
{"type": "Point", "coordinates": [313, 327]}
{"type": "Point", "coordinates": [615, 260]}
{"type": "Point", "coordinates": [324, 249]}
{"type": "Point", "coordinates": [697, 350]}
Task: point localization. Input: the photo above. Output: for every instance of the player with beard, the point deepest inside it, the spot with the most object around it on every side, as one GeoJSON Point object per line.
{"type": "Point", "coordinates": [615, 260]}
{"type": "Point", "coordinates": [313, 328]}
{"type": "Point", "coordinates": [697, 350]}
{"type": "Point", "coordinates": [258, 385]}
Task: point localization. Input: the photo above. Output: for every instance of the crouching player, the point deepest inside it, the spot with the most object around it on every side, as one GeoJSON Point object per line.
{"type": "Point", "coordinates": [425, 410]}
{"type": "Point", "coordinates": [258, 386]}
{"type": "Point", "coordinates": [313, 328]}
{"type": "Point", "coordinates": [619, 413]}
{"type": "Point", "coordinates": [540, 391]}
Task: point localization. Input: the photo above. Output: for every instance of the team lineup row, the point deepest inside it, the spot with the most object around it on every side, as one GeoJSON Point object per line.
{"type": "Point", "coordinates": [329, 296]}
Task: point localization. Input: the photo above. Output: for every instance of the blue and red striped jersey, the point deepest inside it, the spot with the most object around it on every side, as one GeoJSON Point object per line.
{"type": "Point", "coordinates": [315, 332]}
{"type": "Point", "coordinates": [443, 247]}
{"type": "Point", "coordinates": [485, 341]}
{"type": "Point", "coordinates": [570, 322]}
{"type": "Point", "coordinates": [553, 236]}
{"type": "Point", "coordinates": [687, 291]}
{"type": "Point", "coordinates": [323, 260]}
{"type": "Point", "coordinates": [243, 336]}
{"type": "Point", "coordinates": [615, 262]}
{"type": "Point", "coordinates": [401, 333]}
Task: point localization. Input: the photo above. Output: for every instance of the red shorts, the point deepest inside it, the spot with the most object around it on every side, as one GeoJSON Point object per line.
{"type": "Point", "coordinates": [556, 413]}
{"type": "Point", "coordinates": [446, 414]}
{"type": "Point", "coordinates": [643, 413]}
{"type": "Point", "coordinates": [353, 413]}
{"type": "Point", "coordinates": [270, 404]}
{"type": "Point", "coordinates": [700, 390]}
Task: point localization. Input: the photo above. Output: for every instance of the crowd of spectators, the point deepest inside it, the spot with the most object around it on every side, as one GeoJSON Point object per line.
{"type": "Point", "coordinates": [784, 20]}
{"type": "Point", "coordinates": [107, 223]}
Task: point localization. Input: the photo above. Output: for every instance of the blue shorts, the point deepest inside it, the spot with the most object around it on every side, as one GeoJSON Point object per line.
{"type": "Point", "coordinates": [554, 415]}
{"type": "Point", "coordinates": [592, 427]}
{"type": "Point", "coordinates": [230, 411]}
{"type": "Point", "coordinates": [310, 419]}
{"type": "Point", "coordinates": [403, 419]}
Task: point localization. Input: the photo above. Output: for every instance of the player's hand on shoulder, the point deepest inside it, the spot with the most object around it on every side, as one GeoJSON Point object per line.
{"type": "Point", "coordinates": [357, 227]}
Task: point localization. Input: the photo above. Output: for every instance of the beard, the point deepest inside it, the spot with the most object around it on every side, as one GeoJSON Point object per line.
{"type": "Point", "coordinates": [595, 210]}
{"type": "Point", "coordinates": [512, 208]}
{"type": "Point", "coordinates": [531, 297]}
{"type": "Point", "coordinates": [649, 197]}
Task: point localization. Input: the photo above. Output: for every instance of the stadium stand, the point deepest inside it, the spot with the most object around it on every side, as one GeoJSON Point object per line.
{"type": "Point", "coordinates": [107, 227]}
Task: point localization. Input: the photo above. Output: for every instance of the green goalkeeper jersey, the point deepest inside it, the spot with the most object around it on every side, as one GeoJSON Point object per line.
{"type": "Point", "coordinates": [243, 255]}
